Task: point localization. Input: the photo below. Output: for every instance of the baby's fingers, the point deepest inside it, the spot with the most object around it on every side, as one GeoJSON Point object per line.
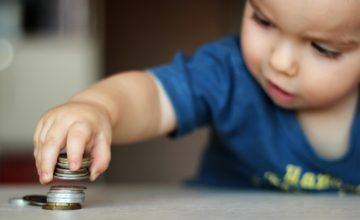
{"type": "Point", "coordinates": [101, 156]}
{"type": "Point", "coordinates": [39, 140]}
{"type": "Point", "coordinates": [36, 142]}
{"type": "Point", "coordinates": [36, 137]}
{"type": "Point", "coordinates": [79, 135]}
{"type": "Point", "coordinates": [54, 142]}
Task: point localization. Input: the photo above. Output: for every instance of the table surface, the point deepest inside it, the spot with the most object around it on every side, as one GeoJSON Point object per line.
{"type": "Point", "coordinates": [177, 202]}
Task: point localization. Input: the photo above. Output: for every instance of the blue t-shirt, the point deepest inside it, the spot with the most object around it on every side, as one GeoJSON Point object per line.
{"type": "Point", "coordinates": [253, 142]}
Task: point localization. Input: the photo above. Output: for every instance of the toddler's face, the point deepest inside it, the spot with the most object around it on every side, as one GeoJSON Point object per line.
{"type": "Point", "coordinates": [304, 54]}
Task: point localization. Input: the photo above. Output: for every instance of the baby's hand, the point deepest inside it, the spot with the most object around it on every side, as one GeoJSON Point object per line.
{"type": "Point", "coordinates": [80, 127]}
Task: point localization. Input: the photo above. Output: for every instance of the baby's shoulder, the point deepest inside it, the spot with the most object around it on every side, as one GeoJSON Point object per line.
{"type": "Point", "coordinates": [227, 44]}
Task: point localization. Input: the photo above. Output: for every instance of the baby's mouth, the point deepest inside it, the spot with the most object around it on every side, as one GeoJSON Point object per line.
{"type": "Point", "coordinates": [278, 93]}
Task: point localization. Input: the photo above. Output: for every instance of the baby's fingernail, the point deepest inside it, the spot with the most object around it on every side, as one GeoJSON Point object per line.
{"type": "Point", "coordinates": [73, 166]}
{"type": "Point", "coordinates": [45, 177]}
{"type": "Point", "coordinates": [93, 175]}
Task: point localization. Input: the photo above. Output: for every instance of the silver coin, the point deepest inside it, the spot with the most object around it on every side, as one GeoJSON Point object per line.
{"type": "Point", "coordinates": [65, 200]}
{"type": "Point", "coordinates": [18, 201]}
{"type": "Point", "coordinates": [36, 200]}
{"type": "Point", "coordinates": [71, 177]}
{"type": "Point", "coordinates": [68, 191]}
{"type": "Point", "coordinates": [79, 171]}
{"type": "Point", "coordinates": [66, 165]}
{"type": "Point", "coordinates": [65, 191]}
{"type": "Point", "coordinates": [63, 160]}
{"type": "Point", "coordinates": [71, 174]}
{"type": "Point", "coordinates": [63, 157]}
{"type": "Point", "coordinates": [65, 171]}
{"type": "Point", "coordinates": [76, 191]}
{"type": "Point", "coordinates": [70, 187]}
{"type": "Point", "coordinates": [62, 170]}
{"type": "Point", "coordinates": [68, 194]}
{"type": "Point", "coordinates": [62, 165]}
{"type": "Point", "coordinates": [74, 195]}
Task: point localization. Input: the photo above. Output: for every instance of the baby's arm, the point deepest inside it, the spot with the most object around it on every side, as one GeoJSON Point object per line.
{"type": "Point", "coordinates": [123, 108]}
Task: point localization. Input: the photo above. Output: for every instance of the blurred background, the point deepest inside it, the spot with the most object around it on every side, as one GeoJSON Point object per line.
{"type": "Point", "coordinates": [51, 49]}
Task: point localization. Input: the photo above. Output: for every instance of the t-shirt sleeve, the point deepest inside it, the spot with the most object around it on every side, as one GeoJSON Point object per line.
{"type": "Point", "coordinates": [198, 86]}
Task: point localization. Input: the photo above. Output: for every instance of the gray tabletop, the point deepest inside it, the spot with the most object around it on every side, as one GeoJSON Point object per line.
{"type": "Point", "coordinates": [176, 202]}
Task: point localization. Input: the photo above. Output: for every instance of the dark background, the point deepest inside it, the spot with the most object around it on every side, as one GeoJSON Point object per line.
{"type": "Point", "coordinates": [140, 34]}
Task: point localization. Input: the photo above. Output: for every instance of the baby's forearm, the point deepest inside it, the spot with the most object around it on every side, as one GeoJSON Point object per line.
{"type": "Point", "coordinates": [132, 102]}
{"type": "Point", "coordinates": [124, 108]}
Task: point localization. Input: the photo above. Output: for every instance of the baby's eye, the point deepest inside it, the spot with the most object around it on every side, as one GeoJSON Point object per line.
{"type": "Point", "coordinates": [325, 51]}
{"type": "Point", "coordinates": [261, 20]}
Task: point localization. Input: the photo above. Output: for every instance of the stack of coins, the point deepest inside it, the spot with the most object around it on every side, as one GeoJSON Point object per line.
{"type": "Point", "coordinates": [65, 198]}
{"type": "Point", "coordinates": [62, 170]}
{"type": "Point", "coordinates": [68, 197]}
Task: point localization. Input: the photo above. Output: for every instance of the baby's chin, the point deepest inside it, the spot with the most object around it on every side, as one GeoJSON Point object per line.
{"type": "Point", "coordinates": [287, 106]}
{"type": "Point", "coordinates": [294, 105]}
{"type": "Point", "coordinates": [298, 106]}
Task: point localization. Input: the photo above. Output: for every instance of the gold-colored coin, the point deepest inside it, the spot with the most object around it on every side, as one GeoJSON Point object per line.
{"type": "Point", "coordinates": [61, 206]}
{"type": "Point", "coordinates": [65, 160]}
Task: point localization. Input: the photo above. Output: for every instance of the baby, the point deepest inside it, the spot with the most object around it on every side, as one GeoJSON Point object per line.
{"type": "Point", "coordinates": [281, 101]}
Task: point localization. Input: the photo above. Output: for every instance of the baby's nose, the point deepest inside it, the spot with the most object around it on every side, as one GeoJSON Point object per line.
{"type": "Point", "coordinates": [283, 58]}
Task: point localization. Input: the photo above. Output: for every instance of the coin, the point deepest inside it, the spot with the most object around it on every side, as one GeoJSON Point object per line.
{"type": "Point", "coordinates": [71, 174]}
{"type": "Point", "coordinates": [35, 200]}
{"type": "Point", "coordinates": [65, 191]}
{"type": "Point", "coordinates": [70, 195]}
{"type": "Point", "coordinates": [68, 187]}
{"type": "Point", "coordinates": [65, 161]}
{"type": "Point", "coordinates": [57, 199]}
{"type": "Point", "coordinates": [63, 164]}
{"type": "Point", "coordinates": [18, 201]}
{"type": "Point", "coordinates": [62, 170]}
{"type": "Point", "coordinates": [61, 177]}
{"type": "Point", "coordinates": [63, 157]}
{"type": "Point", "coordinates": [66, 194]}
{"type": "Point", "coordinates": [67, 197]}
{"type": "Point", "coordinates": [67, 171]}
{"type": "Point", "coordinates": [61, 206]}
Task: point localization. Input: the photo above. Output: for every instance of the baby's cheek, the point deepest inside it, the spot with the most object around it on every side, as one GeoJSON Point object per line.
{"type": "Point", "coordinates": [251, 55]}
{"type": "Point", "coordinates": [318, 93]}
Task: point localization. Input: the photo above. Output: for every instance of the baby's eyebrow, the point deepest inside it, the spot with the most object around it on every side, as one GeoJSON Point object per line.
{"type": "Point", "coordinates": [340, 41]}
{"type": "Point", "coordinates": [257, 8]}
{"type": "Point", "coordinates": [255, 5]}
